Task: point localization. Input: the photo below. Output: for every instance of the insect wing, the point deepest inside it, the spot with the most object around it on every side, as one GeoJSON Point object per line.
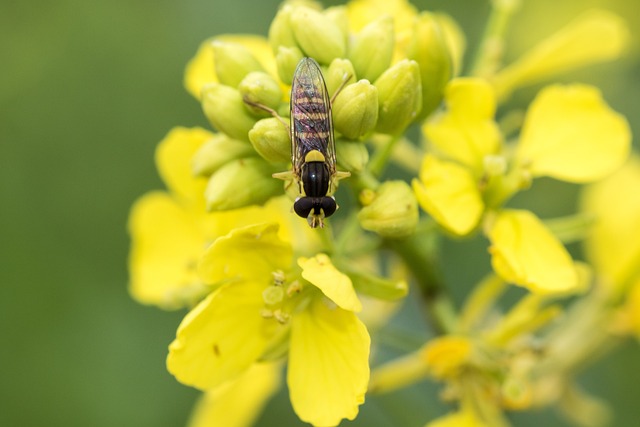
{"type": "Point", "coordinates": [311, 124]}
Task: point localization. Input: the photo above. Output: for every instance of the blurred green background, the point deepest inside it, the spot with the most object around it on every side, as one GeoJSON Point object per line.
{"type": "Point", "coordinates": [87, 89]}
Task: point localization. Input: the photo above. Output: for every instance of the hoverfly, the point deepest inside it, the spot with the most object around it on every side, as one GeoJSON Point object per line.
{"type": "Point", "coordinates": [313, 152]}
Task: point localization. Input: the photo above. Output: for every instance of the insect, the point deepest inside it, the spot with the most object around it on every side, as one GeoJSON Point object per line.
{"type": "Point", "coordinates": [313, 153]}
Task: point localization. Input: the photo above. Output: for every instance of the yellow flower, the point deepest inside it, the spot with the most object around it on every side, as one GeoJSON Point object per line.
{"type": "Point", "coordinates": [462, 418]}
{"type": "Point", "coordinates": [237, 403]}
{"type": "Point", "coordinates": [447, 356]}
{"type": "Point", "coordinates": [525, 253]}
{"type": "Point", "coordinates": [449, 193]}
{"type": "Point", "coordinates": [613, 243]}
{"type": "Point", "coordinates": [466, 132]}
{"type": "Point", "coordinates": [571, 134]}
{"type": "Point", "coordinates": [595, 36]}
{"type": "Point", "coordinates": [262, 304]}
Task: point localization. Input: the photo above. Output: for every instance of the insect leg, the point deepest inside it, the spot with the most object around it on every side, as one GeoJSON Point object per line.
{"type": "Point", "coordinates": [271, 111]}
{"type": "Point", "coordinates": [345, 80]}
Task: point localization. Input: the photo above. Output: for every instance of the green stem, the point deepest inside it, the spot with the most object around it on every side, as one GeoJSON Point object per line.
{"type": "Point", "coordinates": [489, 55]}
{"type": "Point", "coordinates": [381, 157]}
{"type": "Point", "coordinates": [417, 252]}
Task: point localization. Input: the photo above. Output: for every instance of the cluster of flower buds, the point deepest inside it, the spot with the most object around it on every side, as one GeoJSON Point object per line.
{"type": "Point", "coordinates": [383, 74]}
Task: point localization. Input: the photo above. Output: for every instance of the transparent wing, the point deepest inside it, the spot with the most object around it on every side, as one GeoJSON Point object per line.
{"type": "Point", "coordinates": [311, 124]}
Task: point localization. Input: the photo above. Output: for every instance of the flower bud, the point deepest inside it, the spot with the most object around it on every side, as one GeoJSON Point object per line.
{"type": "Point", "coordinates": [271, 140]}
{"type": "Point", "coordinates": [287, 59]}
{"type": "Point", "coordinates": [339, 70]}
{"type": "Point", "coordinates": [280, 32]}
{"type": "Point", "coordinates": [372, 50]}
{"type": "Point", "coordinates": [429, 49]}
{"type": "Point", "coordinates": [376, 286]}
{"type": "Point", "coordinates": [393, 212]}
{"type": "Point", "coordinates": [224, 108]}
{"type": "Point", "coordinates": [399, 97]}
{"type": "Point", "coordinates": [317, 35]}
{"type": "Point", "coordinates": [339, 16]}
{"type": "Point", "coordinates": [352, 156]}
{"type": "Point", "coordinates": [355, 110]}
{"type": "Point", "coordinates": [241, 183]}
{"type": "Point", "coordinates": [216, 152]}
{"type": "Point", "coordinates": [260, 88]}
{"type": "Point", "coordinates": [232, 62]}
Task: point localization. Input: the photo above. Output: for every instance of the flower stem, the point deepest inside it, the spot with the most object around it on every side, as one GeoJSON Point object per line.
{"type": "Point", "coordinates": [381, 157]}
{"type": "Point", "coordinates": [489, 54]}
{"type": "Point", "coordinates": [418, 253]}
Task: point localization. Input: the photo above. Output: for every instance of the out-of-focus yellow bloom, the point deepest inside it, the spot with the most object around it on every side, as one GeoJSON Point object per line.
{"type": "Point", "coordinates": [595, 36]}
{"type": "Point", "coordinates": [466, 132]}
{"type": "Point", "coordinates": [525, 253]}
{"type": "Point", "coordinates": [447, 356]}
{"type": "Point", "coordinates": [463, 418]}
{"type": "Point", "coordinates": [238, 403]}
{"type": "Point", "coordinates": [571, 134]}
{"type": "Point", "coordinates": [613, 244]}
{"type": "Point", "coordinates": [449, 193]}
{"type": "Point", "coordinates": [244, 318]}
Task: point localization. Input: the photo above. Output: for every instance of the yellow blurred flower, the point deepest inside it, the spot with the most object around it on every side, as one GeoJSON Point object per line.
{"type": "Point", "coordinates": [594, 36]}
{"type": "Point", "coordinates": [446, 357]}
{"type": "Point", "coordinates": [613, 243]}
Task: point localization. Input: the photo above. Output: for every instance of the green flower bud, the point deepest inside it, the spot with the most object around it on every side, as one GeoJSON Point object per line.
{"type": "Point", "coordinates": [260, 88]}
{"type": "Point", "coordinates": [339, 70]}
{"type": "Point", "coordinates": [355, 110]}
{"type": "Point", "coordinates": [240, 183]}
{"type": "Point", "coordinates": [217, 152]}
{"type": "Point", "coordinates": [224, 108]}
{"type": "Point", "coordinates": [232, 62]}
{"type": "Point", "coordinates": [287, 60]}
{"type": "Point", "coordinates": [271, 140]}
{"type": "Point", "coordinates": [340, 17]}
{"type": "Point", "coordinates": [280, 31]}
{"type": "Point", "coordinates": [372, 50]}
{"type": "Point", "coordinates": [317, 35]}
{"type": "Point", "coordinates": [352, 156]}
{"type": "Point", "coordinates": [429, 49]}
{"type": "Point", "coordinates": [399, 97]}
{"type": "Point", "coordinates": [375, 286]}
{"type": "Point", "coordinates": [393, 212]}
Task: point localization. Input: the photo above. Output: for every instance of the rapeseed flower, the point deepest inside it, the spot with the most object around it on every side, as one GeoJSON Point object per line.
{"type": "Point", "coordinates": [265, 292]}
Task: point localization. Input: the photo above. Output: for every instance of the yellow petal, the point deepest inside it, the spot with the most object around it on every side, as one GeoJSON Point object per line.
{"type": "Point", "coordinates": [174, 157]}
{"type": "Point", "coordinates": [240, 402]}
{"type": "Point", "coordinates": [447, 356]}
{"type": "Point", "coordinates": [595, 36]}
{"type": "Point", "coordinates": [466, 132]}
{"type": "Point", "coordinates": [221, 337]}
{"type": "Point", "coordinates": [328, 364]}
{"type": "Point", "coordinates": [335, 285]}
{"type": "Point", "coordinates": [254, 251]}
{"type": "Point", "coordinates": [571, 134]}
{"type": "Point", "coordinates": [449, 193]}
{"type": "Point", "coordinates": [166, 244]}
{"type": "Point", "coordinates": [462, 418]}
{"type": "Point", "coordinates": [613, 245]}
{"type": "Point", "coordinates": [201, 68]}
{"type": "Point", "coordinates": [525, 253]}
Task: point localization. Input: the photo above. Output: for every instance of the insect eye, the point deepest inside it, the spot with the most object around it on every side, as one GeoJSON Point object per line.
{"type": "Point", "coordinates": [303, 206]}
{"type": "Point", "coordinates": [328, 205]}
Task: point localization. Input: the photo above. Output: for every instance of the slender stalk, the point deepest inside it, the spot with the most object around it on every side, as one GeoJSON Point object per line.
{"type": "Point", "coordinates": [417, 252]}
{"type": "Point", "coordinates": [489, 55]}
